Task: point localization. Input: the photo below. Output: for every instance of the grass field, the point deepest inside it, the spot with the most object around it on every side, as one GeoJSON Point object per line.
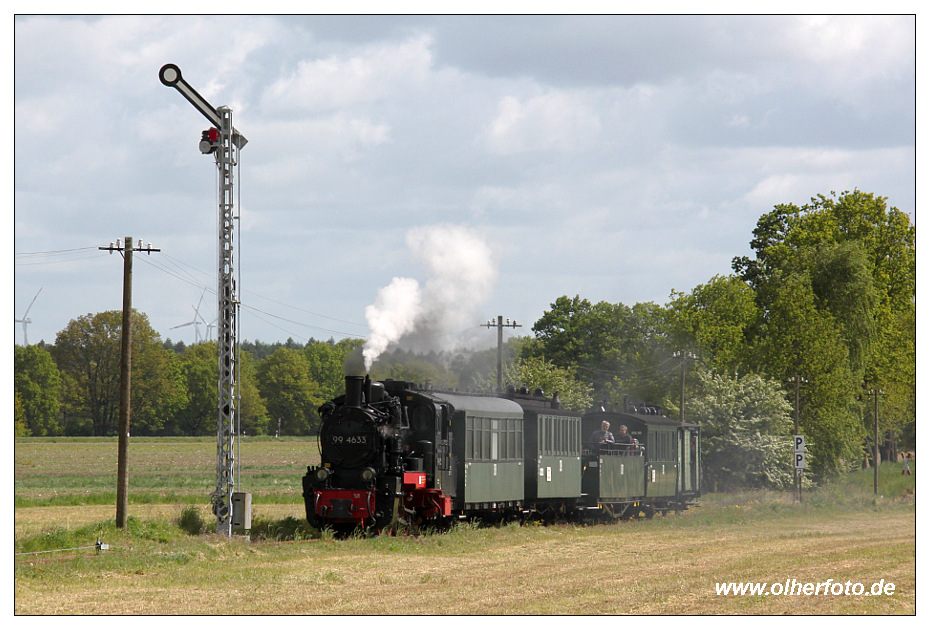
{"type": "Point", "coordinates": [665, 566]}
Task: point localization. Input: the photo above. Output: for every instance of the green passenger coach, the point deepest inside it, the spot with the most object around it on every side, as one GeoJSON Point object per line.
{"type": "Point", "coordinates": [552, 452]}
{"type": "Point", "coordinates": [660, 471]}
{"type": "Point", "coordinates": [491, 453]}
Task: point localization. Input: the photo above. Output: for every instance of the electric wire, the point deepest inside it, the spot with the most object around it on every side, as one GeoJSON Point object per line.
{"type": "Point", "coordinates": [57, 257]}
{"type": "Point", "coordinates": [55, 252]}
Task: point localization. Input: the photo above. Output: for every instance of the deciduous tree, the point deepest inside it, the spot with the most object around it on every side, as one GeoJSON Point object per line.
{"type": "Point", "coordinates": [36, 383]}
{"type": "Point", "coordinates": [291, 395]}
{"type": "Point", "coordinates": [87, 352]}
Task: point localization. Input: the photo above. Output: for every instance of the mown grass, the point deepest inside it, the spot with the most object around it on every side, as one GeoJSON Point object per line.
{"type": "Point", "coordinates": [167, 561]}
{"type": "Point", "coordinates": [665, 566]}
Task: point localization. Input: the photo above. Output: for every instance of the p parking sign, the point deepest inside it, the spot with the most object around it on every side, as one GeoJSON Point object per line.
{"type": "Point", "coordinates": [800, 460]}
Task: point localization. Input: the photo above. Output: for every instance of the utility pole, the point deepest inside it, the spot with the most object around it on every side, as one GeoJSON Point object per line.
{"type": "Point", "coordinates": [500, 345]}
{"type": "Point", "coordinates": [125, 379]}
{"type": "Point", "coordinates": [798, 381]}
{"type": "Point", "coordinates": [684, 356]}
{"type": "Point", "coordinates": [232, 509]}
{"type": "Point", "coordinates": [875, 393]}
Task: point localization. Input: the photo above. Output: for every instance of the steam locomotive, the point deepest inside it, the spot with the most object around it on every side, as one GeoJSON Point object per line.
{"type": "Point", "coordinates": [397, 456]}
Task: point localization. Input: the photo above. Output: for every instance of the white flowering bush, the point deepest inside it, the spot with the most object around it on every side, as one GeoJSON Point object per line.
{"type": "Point", "coordinates": [746, 430]}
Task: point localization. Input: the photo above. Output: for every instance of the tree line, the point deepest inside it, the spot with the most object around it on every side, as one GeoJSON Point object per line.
{"type": "Point", "coordinates": [827, 301]}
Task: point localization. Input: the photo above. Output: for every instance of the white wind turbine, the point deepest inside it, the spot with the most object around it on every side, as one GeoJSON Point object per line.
{"type": "Point", "coordinates": [25, 321]}
{"type": "Point", "coordinates": [196, 321]}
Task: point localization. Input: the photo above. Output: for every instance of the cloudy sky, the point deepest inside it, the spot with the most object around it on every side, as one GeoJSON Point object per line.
{"type": "Point", "coordinates": [615, 158]}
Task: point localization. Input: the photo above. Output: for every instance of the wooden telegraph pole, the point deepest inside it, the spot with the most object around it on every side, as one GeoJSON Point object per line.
{"type": "Point", "coordinates": [500, 325]}
{"type": "Point", "coordinates": [125, 378]}
{"type": "Point", "coordinates": [683, 355]}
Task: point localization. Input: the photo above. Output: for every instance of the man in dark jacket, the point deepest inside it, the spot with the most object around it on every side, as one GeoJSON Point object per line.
{"type": "Point", "coordinates": [604, 436]}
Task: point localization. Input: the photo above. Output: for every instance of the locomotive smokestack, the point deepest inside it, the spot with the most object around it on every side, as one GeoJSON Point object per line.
{"type": "Point", "coordinates": [354, 391]}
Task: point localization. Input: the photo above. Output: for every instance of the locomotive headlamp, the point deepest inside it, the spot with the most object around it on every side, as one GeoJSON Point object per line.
{"type": "Point", "coordinates": [321, 474]}
{"type": "Point", "coordinates": [368, 475]}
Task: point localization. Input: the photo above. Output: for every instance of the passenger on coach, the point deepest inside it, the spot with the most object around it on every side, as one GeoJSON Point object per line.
{"type": "Point", "coordinates": [626, 439]}
{"type": "Point", "coordinates": [604, 436]}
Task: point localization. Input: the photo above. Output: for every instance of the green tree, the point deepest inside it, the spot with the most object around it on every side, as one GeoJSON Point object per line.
{"type": "Point", "coordinates": [19, 416]}
{"type": "Point", "coordinates": [253, 415]}
{"type": "Point", "coordinates": [291, 395]}
{"type": "Point", "coordinates": [716, 320]}
{"type": "Point", "coordinates": [846, 267]}
{"type": "Point", "coordinates": [798, 339]}
{"type": "Point", "coordinates": [843, 284]}
{"type": "Point", "coordinates": [198, 416]}
{"type": "Point", "coordinates": [87, 352]}
{"type": "Point", "coordinates": [326, 361]}
{"type": "Point", "coordinates": [198, 365]}
{"type": "Point", "coordinates": [745, 431]}
{"type": "Point", "coordinates": [37, 383]}
{"type": "Point", "coordinates": [538, 373]}
{"type": "Point", "coordinates": [576, 332]}
{"type": "Point", "coordinates": [607, 344]}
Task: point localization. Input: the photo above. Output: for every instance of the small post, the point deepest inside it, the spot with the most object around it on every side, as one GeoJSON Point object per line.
{"type": "Point", "coordinates": [797, 380]}
{"type": "Point", "coordinates": [875, 392]}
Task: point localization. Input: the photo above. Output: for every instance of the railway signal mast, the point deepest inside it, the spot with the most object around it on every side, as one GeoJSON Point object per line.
{"type": "Point", "coordinates": [232, 509]}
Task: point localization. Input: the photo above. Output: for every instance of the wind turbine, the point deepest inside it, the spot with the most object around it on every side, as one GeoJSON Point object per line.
{"type": "Point", "coordinates": [194, 321]}
{"type": "Point", "coordinates": [25, 320]}
{"type": "Point", "coordinates": [210, 328]}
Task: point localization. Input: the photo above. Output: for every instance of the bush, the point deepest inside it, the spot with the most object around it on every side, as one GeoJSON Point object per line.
{"type": "Point", "coordinates": [191, 522]}
{"type": "Point", "coordinates": [288, 528]}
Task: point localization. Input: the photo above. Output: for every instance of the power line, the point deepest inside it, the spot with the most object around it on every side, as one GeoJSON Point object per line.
{"type": "Point", "coordinates": [264, 297]}
{"type": "Point", "coordinates": [55, 252]}
{"type": "Point", "coordinates": [56, 257]}
{"type": "Point", "coordinates": [291, 321]}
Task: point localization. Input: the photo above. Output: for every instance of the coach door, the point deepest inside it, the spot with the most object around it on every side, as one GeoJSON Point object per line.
{"type": "Point", "coordinates": [444, 457]}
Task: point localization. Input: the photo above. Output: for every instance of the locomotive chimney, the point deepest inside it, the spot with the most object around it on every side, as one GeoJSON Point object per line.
{"type": "Point", "coordinates": [354, 391]}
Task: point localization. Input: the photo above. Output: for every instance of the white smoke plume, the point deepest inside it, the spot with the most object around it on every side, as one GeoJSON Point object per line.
{"type": "Point", "coordinates": [392, 316]}
{"type": "Point", "coordinates": [461, 270]}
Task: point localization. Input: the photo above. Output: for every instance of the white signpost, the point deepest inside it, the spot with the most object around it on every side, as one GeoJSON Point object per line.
{"type": "Point", "coordinates": [800, 460]}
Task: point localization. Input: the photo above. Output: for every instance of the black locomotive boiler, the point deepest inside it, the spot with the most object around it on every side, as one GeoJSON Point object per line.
{"type": "Point", "coordinates": [394, 455]}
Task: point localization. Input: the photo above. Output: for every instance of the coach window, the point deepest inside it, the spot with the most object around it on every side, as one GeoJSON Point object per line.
{"type": "Point", "coordinates": [541, 434]}
{"type": "Point", "coordinates": [485, 438]}
{"type": "Point", "coordinates": [504, 438]}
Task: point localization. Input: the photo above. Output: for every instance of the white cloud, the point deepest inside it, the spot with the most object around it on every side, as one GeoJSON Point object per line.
{"type": "Point", "coordinates": [556, 121]}
{"type": "Point", "coordinates": [343, 80]}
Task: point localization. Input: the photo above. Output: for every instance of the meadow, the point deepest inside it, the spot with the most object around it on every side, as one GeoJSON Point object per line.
{"type": "Point", "coordinates": [664, 566]}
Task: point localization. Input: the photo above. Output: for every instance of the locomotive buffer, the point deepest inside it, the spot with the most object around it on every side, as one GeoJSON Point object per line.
{"type": "Point", "coordinates": [232, 509]}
